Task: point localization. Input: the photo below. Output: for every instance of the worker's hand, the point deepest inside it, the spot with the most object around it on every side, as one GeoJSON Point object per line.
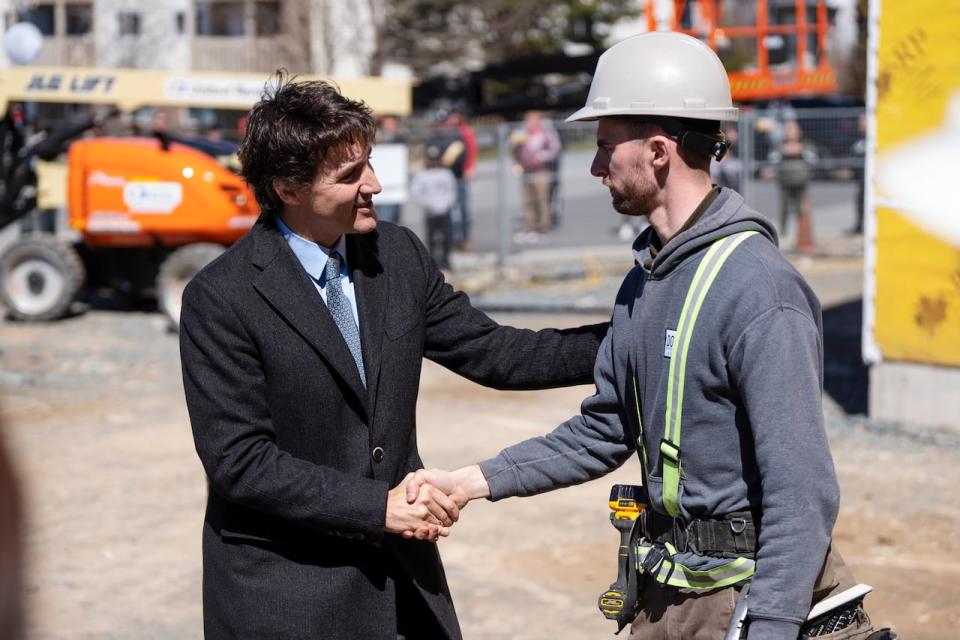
{"type": "Point", "coordinates": [427, 517]}
{"type": "Point", "coordinates": [463, 485]}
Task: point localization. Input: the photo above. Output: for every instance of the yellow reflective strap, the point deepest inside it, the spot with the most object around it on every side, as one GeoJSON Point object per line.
{"type": "Point", "coordinates": [676, 574]}
{"type": "Point", "coordinates": [706, 273]}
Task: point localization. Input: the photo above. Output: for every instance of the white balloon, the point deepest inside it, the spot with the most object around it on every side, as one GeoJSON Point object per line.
{"type": "Point", "coordinates": [22, 43]}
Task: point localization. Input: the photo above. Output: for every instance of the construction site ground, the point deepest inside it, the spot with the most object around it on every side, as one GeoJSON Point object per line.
{"type": "Point", "coordinates": [95, 420]}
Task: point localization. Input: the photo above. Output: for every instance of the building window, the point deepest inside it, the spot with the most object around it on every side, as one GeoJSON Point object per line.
{"type": "Point", "coordinates": [181, 21]}
{"type": "Point", "coordinates": [267, 18]}
{"type": "Point", "coordinates": [79, 19]}
{"type": "Point", "coordinates": [129, 22]}
{"type": "Point", "coordinates": [220, 19]}
{"type": "Point", "coordinates": [40, 16]}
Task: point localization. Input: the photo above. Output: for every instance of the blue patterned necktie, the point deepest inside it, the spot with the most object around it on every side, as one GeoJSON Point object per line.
{"type": "Point", "coordinates": [342, 314]}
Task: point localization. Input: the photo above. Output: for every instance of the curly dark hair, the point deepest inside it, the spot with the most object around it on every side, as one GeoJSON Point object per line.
{"type": "Point", "coordinates": [290, 130]}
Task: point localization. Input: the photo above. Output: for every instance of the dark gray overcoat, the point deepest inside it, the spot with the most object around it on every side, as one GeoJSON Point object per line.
{"type": "Point", "coordinates": [300, 456]}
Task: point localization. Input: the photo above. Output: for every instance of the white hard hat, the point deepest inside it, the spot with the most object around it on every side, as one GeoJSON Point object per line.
{"type": "Point", "coordinates": [661, 73]}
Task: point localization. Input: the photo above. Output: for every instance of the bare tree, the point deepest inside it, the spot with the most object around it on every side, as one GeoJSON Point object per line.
{"type": "Point", "coordinates": [429, 35]}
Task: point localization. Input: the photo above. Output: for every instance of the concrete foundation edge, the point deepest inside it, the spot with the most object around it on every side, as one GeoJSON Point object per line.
{"type": "Point", "coordinates": [915, 394]}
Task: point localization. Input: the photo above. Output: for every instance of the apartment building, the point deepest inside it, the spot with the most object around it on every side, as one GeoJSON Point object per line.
{"type": "Point", "coordinates": [305, 36]}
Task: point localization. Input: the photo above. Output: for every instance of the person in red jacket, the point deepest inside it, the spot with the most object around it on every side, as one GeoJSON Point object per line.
{"type": "Point", "coordinates": [461, 226]}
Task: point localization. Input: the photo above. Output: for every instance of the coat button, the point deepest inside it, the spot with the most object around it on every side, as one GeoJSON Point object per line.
{"type": "Point", "coordinates": [378, 454]}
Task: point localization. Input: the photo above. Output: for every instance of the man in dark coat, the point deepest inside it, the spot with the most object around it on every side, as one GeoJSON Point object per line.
{"type": "Point", "coordinates": [302, 348]}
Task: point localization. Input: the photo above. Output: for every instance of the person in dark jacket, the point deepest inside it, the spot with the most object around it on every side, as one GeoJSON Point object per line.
{"type": "Point", "coordinates": [301, 348]}
{"type": "Point", "coordinates": [794, 161]}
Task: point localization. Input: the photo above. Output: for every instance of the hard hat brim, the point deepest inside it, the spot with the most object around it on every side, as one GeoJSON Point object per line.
{"type": "Point", "coordinates": [720, 114]}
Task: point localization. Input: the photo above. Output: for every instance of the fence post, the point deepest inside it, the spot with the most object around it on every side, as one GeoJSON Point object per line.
{"type": "Point", "coordinates": [503, 184]}
{"type": "Point", "coordinates": [747, 150]}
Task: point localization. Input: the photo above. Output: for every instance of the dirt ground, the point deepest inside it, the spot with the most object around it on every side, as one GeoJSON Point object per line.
{"type": "Point", "coordinates": [96, 422]}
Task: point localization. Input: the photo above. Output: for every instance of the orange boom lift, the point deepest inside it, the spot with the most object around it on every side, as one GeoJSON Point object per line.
{"type": "Point", "coordinates": [770, 49]}
{"type": "Point", "coordinates": [134, 215]}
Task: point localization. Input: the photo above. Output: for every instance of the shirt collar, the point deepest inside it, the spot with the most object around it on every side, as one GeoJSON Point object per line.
{"type": "Point", "coordinates": [311, 255]}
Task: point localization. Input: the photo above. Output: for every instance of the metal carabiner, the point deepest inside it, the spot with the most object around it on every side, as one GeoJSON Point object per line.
{"type": "Point", "coordinates": [738, 521]}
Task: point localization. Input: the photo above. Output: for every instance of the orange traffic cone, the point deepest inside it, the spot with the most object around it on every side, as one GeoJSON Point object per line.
{"type": "Point", "coordinates": [805, 229]}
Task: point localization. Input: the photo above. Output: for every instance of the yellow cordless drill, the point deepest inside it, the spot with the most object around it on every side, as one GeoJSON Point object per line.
{"type": "Point", "coordinates": [619, 602]}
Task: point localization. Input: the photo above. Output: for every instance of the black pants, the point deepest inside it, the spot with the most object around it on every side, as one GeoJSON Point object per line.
{"type": "Point", "coordinates": [791, 205]}
{"type": "Point", "coordinates": [439, 238]}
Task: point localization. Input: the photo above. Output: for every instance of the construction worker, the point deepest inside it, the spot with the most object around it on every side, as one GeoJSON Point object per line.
{"type": "Point", "coordinates": [715, 337]}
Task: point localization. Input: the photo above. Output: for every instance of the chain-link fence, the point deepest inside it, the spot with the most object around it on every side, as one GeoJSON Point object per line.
{"type": "Point", "coordinates": [777, 154]}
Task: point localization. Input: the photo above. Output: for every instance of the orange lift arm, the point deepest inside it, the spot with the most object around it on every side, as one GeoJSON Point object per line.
{"type": "Point", "coordinates": [707, 20]}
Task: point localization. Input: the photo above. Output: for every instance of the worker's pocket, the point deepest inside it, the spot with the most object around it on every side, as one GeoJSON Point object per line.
{"type": "Point", "coordinates": [241, 537]}
{"type": "Point", "coordinates": [834, 576]}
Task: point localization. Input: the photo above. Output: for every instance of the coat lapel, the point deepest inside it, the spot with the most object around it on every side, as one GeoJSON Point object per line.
{"type": "Point", "coordinates": [369, 281]}
{"type": "Point", "coordinates": [288, 288]}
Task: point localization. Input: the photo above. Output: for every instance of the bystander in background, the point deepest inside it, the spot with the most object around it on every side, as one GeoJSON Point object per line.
{"type": "Point", "coordinates": [793, 161]}
{"type": "Point", "coordinates": [727, 172]}
{"type": "Point", "coordinates": [462, 217]}
{"type": "Point", "coordinates": [434, 189]}
{"type": "Point", "coordinates": [453, 155]}
{"type": "Point", "coordinates": [536, 147]}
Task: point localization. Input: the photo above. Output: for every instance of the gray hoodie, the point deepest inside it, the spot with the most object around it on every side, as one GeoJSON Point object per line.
{"type": "Point", "coordinates": [752, 435]}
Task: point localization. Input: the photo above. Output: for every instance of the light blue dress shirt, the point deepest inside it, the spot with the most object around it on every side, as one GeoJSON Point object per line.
{"type": "Point", "coordinates": [313, 257]}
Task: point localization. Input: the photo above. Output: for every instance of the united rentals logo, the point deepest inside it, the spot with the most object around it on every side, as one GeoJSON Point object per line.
{"type": "Point", "coordinates": [240, 91]}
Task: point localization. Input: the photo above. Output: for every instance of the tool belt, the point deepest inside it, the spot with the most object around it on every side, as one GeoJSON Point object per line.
{"type": "Point", "coordinates": [733, 535]}
{"type": "Point", "coordinates": [731, 539]}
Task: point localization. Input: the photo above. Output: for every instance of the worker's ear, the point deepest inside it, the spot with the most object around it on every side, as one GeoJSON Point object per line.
{"type": "Point", "coordinates": [659, 151]}
{"type": "Point", "coordinates": [288, 191]}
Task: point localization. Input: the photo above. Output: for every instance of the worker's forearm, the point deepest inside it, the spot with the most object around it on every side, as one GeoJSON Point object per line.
{"type": "Point", "coordinates": [471, 482]}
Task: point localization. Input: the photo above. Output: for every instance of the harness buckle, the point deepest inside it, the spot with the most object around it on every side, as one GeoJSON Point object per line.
{"type": "Point", "coordinates": [653, 560]}
{"type": "Point", "coordinates": [669, 450]}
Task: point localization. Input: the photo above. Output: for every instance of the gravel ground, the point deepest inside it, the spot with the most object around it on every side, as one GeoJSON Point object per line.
{"type": "Point", "coordinates": [95, 420]}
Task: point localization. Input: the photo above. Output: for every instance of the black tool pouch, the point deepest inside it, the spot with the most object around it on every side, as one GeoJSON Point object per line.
{"type": "Point", "coordinates": [631, 602]}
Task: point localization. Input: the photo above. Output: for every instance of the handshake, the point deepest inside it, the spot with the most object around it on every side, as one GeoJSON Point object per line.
{"type": "Point", "coordinates": [427, 503]}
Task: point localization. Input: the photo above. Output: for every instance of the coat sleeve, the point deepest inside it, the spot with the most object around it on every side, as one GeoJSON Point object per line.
{"type": "Point", "coordinates": [226, 394]}
{"type": "Point", "coordinates": [584, 447]}
{"type": "Point", "coordinates": [469, 343]}
{"type": "Point", "coordinates": [777, 365]}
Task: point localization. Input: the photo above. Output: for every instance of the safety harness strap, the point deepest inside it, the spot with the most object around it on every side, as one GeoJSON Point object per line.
{"type": "Point", "coordinates": [732, 535]}
{"type": "Point", "coordinates": [670, 450]}
{"type": "Point", "coordinates": [645, 466]}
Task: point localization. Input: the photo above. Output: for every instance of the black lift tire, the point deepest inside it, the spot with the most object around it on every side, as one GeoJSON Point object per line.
{"type": "Point", "coordinates": [40, 278]}
{"type": "Point", "coordinates": [176, 271]}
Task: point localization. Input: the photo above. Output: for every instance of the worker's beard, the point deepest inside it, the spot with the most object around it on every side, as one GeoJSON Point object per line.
{"type": "Point", "coordinates": [637, 198]}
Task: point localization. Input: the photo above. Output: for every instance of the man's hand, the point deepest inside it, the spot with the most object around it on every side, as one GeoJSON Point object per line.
{"type": "Point", "coordinates": [429, 515]}
{"type": "Point", "coordinates": [463, 485]}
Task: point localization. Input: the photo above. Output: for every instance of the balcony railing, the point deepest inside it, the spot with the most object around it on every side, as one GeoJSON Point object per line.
{"type": "Point", "coordinates": [215, 53]}
{"type": "Point", "coordinates": [73, 51]}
